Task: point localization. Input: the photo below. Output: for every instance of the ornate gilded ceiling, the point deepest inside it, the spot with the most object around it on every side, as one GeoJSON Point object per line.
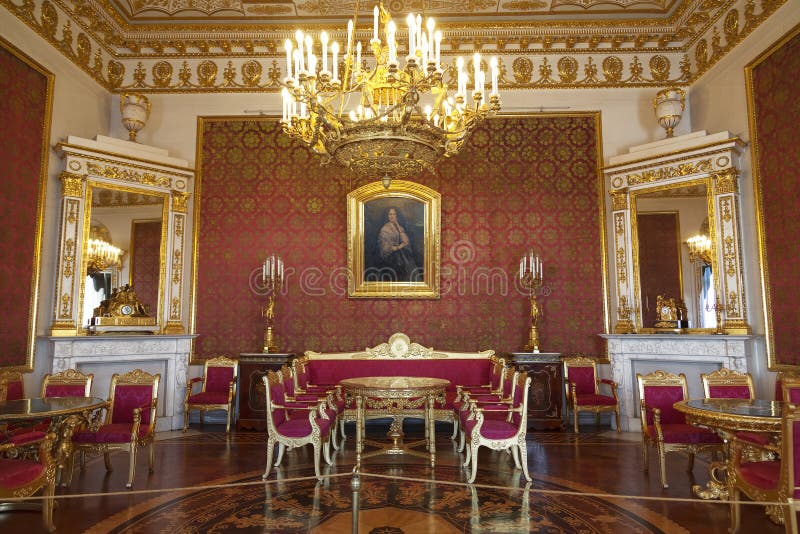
{"type": "Point", "coordinates": [237, 45]}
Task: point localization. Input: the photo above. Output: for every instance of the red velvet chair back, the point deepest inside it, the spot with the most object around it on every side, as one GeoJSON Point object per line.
{"type": "Point", "coordinates": [69, 383]}
{"type": "Point", "coordinates": [582, 372]}
{"type": "Point", "coordinates": [219, 372]}
{"type": "Point", "coordinates": [661, 390]}
{"type": "Point", "coordinates": [287, 379]}
{"type": "Point", "coordinates": [520, 393]}
{"type": "Point", "coordinates": [11, 385]}
{"type": "Point", "coordinates": [275, 395]}
{"type": "Point", "coordinates": [728, 384]}
{"type": "Point", "coordinates": [791, 390]}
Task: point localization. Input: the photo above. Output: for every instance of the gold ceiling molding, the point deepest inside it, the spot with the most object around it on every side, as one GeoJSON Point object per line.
{"type": "Point", "coordinates": [555, 55]}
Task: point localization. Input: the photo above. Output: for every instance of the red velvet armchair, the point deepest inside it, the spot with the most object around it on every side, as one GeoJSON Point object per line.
{"type": "Point", "coordinates": [218, 391]}
{"type": "Point", "coordinates": [664, 427]}
{"type": "Point", "coordinates": [770, 481]}
{"type": "Point", "coordinates": [130, 422]}
{"type": "Point", "coordinates": [22, 477]}
{"type": "Point", "coordinates": [506, 432]}
{"type": "Point", "coordinates": [291, 425]}
{"type": "Point", "coordinates": [583, 390]}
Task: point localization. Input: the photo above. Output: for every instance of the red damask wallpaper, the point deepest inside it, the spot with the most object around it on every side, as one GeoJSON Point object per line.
{"type": "Point", "coordinates": [774, 101]}
{"type": "Point", "coordinates": [24, 131]}
{"type": "Point", "coordinates": [146, 262]}
{"type": "Point", "coordinates": [521, 183]}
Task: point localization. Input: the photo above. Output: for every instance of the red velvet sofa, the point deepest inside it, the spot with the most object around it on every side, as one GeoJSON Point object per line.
{"type": "Point", "coordinates": [398, 357]}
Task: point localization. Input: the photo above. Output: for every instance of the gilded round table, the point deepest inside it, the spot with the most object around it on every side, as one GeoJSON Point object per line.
{"type": "Point", "coordinates": [727, 417]}
{"type": "Point", "coordinates": [391, 395]}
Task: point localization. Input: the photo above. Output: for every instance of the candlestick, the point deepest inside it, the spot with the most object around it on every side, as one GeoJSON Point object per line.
{"type": "Point", "coordinates": [272, 276]}
{"type": "Point", "coordinates": [531, 279]}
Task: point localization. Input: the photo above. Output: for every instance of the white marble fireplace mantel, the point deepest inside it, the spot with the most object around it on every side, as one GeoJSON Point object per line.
{"type": "Point", "coordinates": [676, 353]}
{"type": "Point", "coordinates": [107, 354]}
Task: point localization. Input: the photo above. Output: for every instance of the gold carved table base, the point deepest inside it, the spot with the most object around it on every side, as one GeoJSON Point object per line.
{"type": "Point", "coordinates": [394, 397]}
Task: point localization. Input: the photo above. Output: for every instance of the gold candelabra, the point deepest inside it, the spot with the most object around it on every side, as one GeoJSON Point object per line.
{"type": "Point", "coordinates": [272, 276]}
{"type": "Point", "coordinates": [530, 277]}
{"type": "Point", "coordinates": [719, 307]}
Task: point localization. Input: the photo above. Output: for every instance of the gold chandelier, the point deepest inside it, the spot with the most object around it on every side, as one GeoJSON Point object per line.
{"type": "Point", "coordinates": [100, 253]}
{"type": "Point", "coordinates": [388, 120]}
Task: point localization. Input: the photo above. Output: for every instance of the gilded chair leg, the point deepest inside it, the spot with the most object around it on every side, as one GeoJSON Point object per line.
{"type": "Point", "coordinates": [106, 459]}
{"type": "Point", "coordinates": [735, 495]}
{"type": "Point", "coordinates": [523, 457]}
{"type": "Point", "coordinates": [790, 517]}
{"type": "Point", "coordinates": [691, 463]}
{"type": "Point", "coordinates": [645, 456]}
{"type": "Point", "coordinates": [47, 507]}
{"type": "Point", "coordinates": [185, 417]}
{"type": "Point", "coordinates": [575, 417]}
{"type": "Point", "coordinates": [663, 461]}
{"type": "Point", "coordinates": [616, 412]}
{"type": "Point", "coordinates": [151, 461]}
{"type": "Point", "coordinates": [228, 420]}
{"type": "Point", "coordinates": [131, 466]}
{"type": "Point", "coordinates": [270, 447]}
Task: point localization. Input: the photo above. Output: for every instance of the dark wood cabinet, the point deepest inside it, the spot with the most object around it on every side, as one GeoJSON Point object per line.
{"type": "Point", "coordinates": [251, 399]}
{"type": "Point", "coordinates": [546, 394]}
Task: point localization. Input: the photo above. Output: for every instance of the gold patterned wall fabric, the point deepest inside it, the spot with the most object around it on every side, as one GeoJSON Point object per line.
{"type": "Point", "coordinates": [25, 106]}
{"type": "Point", "coordinates": [522, 182]}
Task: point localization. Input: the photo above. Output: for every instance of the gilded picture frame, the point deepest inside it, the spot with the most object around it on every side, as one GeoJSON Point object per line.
{"type": "Point", "coordinates": [393, 241]}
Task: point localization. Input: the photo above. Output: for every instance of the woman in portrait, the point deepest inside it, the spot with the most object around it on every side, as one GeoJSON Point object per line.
{"type": "Point", "coordinates": [395, 251]}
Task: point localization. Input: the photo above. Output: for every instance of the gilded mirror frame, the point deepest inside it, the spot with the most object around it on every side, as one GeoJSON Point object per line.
{"type": "Point", "coordinates": [634, 197]}
{"type": "Point", "coordinates": [87, 165]}
{"type": "Point", "coordinates": [93, 184]}
{"type": "Point", "coordinates": [711, 159]}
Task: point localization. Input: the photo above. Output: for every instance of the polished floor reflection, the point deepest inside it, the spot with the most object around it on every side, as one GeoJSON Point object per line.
{"type": "Point", "coordinates": [207, 481]}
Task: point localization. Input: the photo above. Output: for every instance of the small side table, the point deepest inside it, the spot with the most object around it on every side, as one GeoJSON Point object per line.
{"type": "Point", "coordinates": [251, 399]}
{"type": "Point", "coordinates": [546, 394]}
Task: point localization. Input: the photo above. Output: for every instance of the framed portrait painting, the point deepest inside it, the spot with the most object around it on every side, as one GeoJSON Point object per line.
{"type": "Point", "coordinates": [393, 239]}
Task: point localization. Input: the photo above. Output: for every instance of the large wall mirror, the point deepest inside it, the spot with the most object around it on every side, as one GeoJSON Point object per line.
{"type": "Point", "coordinates": [677, 237]}
{"type": "Point", "coordinates": [674, 253]}
{"type": "Point", "coordinates": [124, 247]}
{"type": "Point", "coordinates": [125, 206]}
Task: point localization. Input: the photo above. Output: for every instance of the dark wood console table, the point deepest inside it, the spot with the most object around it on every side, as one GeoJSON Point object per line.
{"type": "Point", "coordinates": [545, 396]}
{"type": "Point", "coordinates": [251, 399]}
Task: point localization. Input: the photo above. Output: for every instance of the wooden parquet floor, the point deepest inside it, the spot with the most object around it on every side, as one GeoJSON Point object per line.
{"type": "Point", "coordinates": [207, 481]}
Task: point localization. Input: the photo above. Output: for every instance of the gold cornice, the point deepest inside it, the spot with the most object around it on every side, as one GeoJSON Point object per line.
{"type": "Point", "coordinates": [79, 151]}
{"type": "Point", "coordinates": [738, 144]}
{"type": "Point", "coordinates": [103, 56]}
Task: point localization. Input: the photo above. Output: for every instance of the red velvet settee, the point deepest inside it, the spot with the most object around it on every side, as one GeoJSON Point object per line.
{"type": "Point", "coordinates": [398, 357]}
